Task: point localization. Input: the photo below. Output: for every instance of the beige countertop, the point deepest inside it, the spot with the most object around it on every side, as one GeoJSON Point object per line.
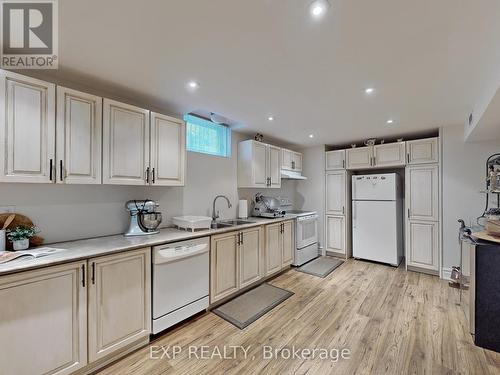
{"type": "Point", "coordinates": [94, 247]}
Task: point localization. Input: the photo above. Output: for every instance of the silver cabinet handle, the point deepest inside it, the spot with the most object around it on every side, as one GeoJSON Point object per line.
{"type": "Point", "coordinates": [50, 169]}
{"type": "Point", "coordinates": [61, 170]}
{"type": "Point", "coordinates": [147, 175]}
{"type": "Point", "coordinates": [83, 275]}
{"type": "Point", "coordinates": [92, 278]}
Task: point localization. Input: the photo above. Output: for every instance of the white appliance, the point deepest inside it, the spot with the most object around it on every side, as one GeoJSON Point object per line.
{"type": "Point", "coordinates": [306, 236]}
{"type": "Point", "coordinates": [180, 281]}
{"type": "Point", "coordinates": [377, 218]}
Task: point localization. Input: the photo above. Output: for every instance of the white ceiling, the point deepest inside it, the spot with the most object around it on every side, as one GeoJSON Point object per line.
{"type": "Point", "coordinates": [428, 60]}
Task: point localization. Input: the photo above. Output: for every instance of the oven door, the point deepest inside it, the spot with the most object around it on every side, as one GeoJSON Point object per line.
{"type": "Point", "coordinates": [307, 231]}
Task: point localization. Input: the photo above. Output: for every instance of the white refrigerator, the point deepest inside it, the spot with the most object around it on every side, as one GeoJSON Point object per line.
{"type": "Point", "coordinates": [377, 218]}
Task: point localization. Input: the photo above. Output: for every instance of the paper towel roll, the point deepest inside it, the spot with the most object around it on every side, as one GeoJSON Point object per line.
{"type": "Point", "coordinates": [242, 209]}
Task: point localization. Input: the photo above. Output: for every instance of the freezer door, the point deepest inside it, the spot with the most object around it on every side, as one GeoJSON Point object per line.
{"type": "Point", "coordinates": [380, 187]}
{"type": "Point", "coordinates": [375, 231]}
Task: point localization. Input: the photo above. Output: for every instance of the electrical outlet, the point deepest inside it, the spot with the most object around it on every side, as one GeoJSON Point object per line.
{"type": "Point", "coordinates": [7, 209]}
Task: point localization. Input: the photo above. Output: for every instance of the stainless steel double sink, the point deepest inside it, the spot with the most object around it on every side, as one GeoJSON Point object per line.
{"type": "Point", "coordinates": [229, 223]}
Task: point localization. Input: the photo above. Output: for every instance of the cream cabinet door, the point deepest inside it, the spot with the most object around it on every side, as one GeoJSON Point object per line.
{"type": "Point", "coordinates": [297, 161]}
{"type": "Point", "coordinates": [286, 158]}
{"type": "Point", "coordinates": [335, 234]}
{"type": "Point", "coordinates": [422, 192]}
{"type": "Point", "coordinates": [423, 244]}
{"type": "Point", "coordinates": [335, 160]}
{"type": "Point", "coordinates": [224, 266]}
{"type": "Point", "coordinates": [273, 248]}
{"type": "Point", "coordinates": [274, 164]}
{"type": "Point", "coordinates": [359, 158]}
{"type": "Point", "coordinates": [119, 301]}
{"type": "Point", "coordinates": [335, 192]}
{"type": "Point", "coordinates": [423, 151]}
{"type": "Point", "coordinates": [79, 136]}
{"type": "Point", "coordinates": [43, 321]}
{"type": "Point", "coordinates": [250, 256]}
{"type": "Point", "coordinates": [125, 144]}
{"type": "Point", "coordinates": [259, 162]}
{"type": "Point", "coordinates": [288, 252]}
{"type": "Point", "coordinates": [390, 154]}
{"type": "Point", "coordinates": [168, 150]}
{"type": "Point", "coordinates": [27, 129]}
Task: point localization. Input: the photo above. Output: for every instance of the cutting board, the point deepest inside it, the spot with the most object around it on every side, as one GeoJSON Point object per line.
{"type": "Point", "coordinates": [483, 235]}
{"type": "Point", "coordinates": [20, 220]}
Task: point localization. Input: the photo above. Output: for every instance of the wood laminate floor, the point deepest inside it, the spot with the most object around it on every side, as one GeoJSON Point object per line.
{"type": "Point", "coordinates": [392, 321]}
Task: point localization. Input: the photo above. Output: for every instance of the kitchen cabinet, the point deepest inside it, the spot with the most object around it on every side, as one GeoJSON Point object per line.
{"type": "Point", "coordinates": [235, 261]}
{"type": "Point", "coordinates": [422, 192]}
{"type": "Point", "coordinates": [422, 151]}
{"type": "Point", "coordinates": [389, 154]}
{"type": "Point", "coordinates": [125, 144]}
{"type": "Point", "coordinates": [359, 157]}
{"type": "Point", "coordinates": [335, 160]}
{"type": "Point", "coordinates": [168, 150]}
{"type": "Point", "coordinates": [79, 132]}
{"type": "Point", "coordinates": [291, 160]}
{"type": "Point", "coordinates": [279, 246]}
{"type": "Point", "coordinates": [259, 165]}
{"type": "Point", "coordinates": [287, 231]}
{"type": "Point", "coordinates": [27, 129]}
{"type": "Point", "coordinates": [336, 234]}
{"type": "Point", "coordinates": [43, 326]}
{"type": "Point", "coordinates": [119, 301]}
{"type": "Point", "coordinates": [336, 198]}
{"type": "Point", "coordinates": [250, 256]}
{"type": "Point", "coordinates": [224, 265]}
{"type": "Point", "coordinates": [423, 244]}
{"type": "Point", "coordinates": [274, 248]}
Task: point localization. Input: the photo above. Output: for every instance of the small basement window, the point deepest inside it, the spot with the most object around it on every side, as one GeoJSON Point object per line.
{"type": "Point", "coordinates": [207, 137]}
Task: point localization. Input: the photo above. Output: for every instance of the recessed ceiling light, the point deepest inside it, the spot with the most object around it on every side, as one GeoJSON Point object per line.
{"type": "Point", "coordinates": [193, 85]}
{"type": "Point", "coordinates": [270, 118]}
{"type": "Point", "coordinates": [369, 90]}
{"type": "Point", "coordinates": [318, 8]}
{"type": "Point", "coordinates": [390, 121]}
{"type": "Point", "coordinates": [311, 135]}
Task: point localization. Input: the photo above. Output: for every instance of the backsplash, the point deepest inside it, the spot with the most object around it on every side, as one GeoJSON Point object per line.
{"type": "Point", "coordinates": [67, 212]}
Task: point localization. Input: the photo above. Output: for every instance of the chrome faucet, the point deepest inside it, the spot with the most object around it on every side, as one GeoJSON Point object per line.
{"type": "Point", "coordinates": [215, 215]}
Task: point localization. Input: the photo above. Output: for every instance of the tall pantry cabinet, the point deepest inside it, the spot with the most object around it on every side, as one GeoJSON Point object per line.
{"type": "Point", "coordinates": [337, 205]}
{"type": "Point", "coordinates": [422, 201]}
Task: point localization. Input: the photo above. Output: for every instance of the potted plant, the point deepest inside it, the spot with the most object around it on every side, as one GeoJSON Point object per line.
{"type": "Point", "coordinates": [20, 236]}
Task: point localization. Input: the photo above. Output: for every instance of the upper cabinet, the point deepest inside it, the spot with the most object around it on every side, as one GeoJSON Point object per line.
{"type": "Point", "coordinates": [389, 155]}
{"type": "Point", "coordinates": [259, 165]}
{"type": "Point", "coordinates": [79, 133]}
{"type": "Point", "coordinates": [125, 144]}
{"type": "Point", "coordinates": [291, 160]}
{"type": "Point", "coordinates": [335, 160]}
{"type": "Point", "coordinates": [422, 151]}
{"type": "Point", "coordinates": [168, 150]}
{"type": "Point", "coordinates": [359, 158]}
{"type": "Point", "coordinates": [27, 129]}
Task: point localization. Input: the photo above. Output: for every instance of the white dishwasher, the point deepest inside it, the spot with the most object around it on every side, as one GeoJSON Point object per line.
{"type": "Point", "coordinates": [180, 281]}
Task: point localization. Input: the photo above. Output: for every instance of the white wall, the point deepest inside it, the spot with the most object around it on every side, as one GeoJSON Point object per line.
{"type": "Point", "coordinates": [311, 192]}
{"type": "Point", "coordinates": [67, 212]}
{"type": "Point", "coordinates": [463, 177]}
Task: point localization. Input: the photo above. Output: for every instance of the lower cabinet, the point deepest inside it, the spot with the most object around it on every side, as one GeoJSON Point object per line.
{"type": "Point", "coordinates": [250, 256]}
{"type": "Point", "coordinates": [288, 243]}
{"type": "Point", "coordinates": [280, 246]}
{"type": "Point", "coordinates": [224, 268]}
{"type": "Point", "coordinates": [336, 234]}
{"type": "Point", "coordinates": [62, 318]}
{"type": "Point", "coordinates": [119, 301]}
{"type": "Point", "coordinates": [235, 262]}
{"type": "Point", "coordinates": [43, 328]}
{"type": "Point", "coordinates": [422, 247]}
{"type": "Point", "coordinates": [274, 246]}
